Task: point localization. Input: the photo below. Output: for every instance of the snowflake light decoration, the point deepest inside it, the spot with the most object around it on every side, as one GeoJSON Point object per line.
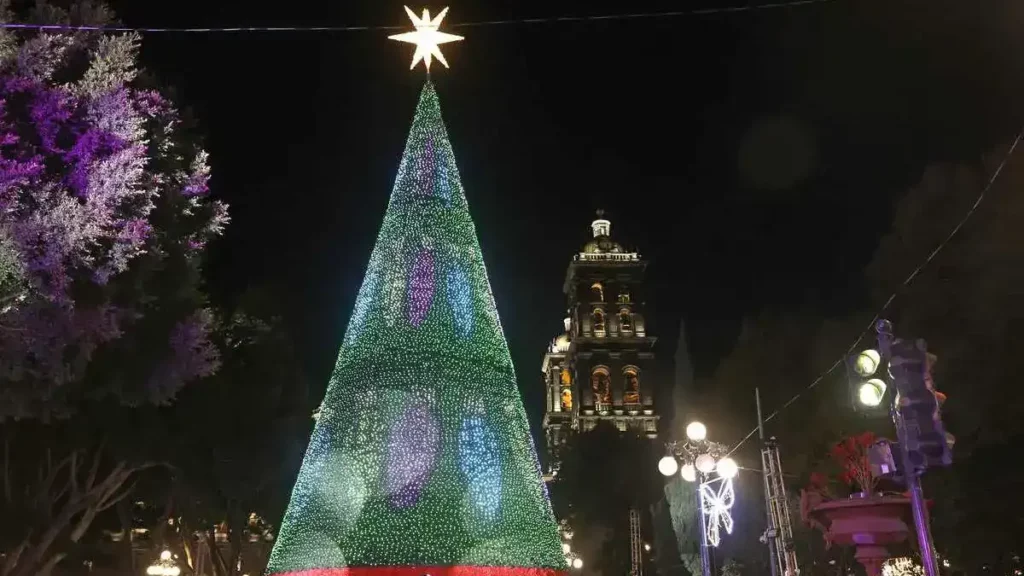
{"type": "Point", "coordinates": [716, 506]}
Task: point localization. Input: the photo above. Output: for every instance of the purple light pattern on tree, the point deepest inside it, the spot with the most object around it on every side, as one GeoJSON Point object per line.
{"type": "Point", "coordinates": [193, 355]}
{"type": "Point", "coordinates": [412, 451]}
{"type": "Point", "coordinates": [421, 287]}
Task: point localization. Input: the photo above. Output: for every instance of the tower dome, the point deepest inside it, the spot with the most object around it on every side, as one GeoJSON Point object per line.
{"type": "Point", "coordinates": [602, 242]}
{"type": "Point", "coordinates": [560, 345]}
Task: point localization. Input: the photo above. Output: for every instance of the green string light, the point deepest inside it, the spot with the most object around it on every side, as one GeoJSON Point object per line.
{"type": "Point", "coordinates": [421, 461]}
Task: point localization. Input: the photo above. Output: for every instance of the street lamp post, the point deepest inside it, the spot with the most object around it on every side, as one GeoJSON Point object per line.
{"type": "Point", "coordinates": [705, 552]}
{"type": "Point", "coordinates": [572, 558]}
{"type": "Point", "coordinates": [707, 466]}
{"type": "Point", "coordinates": [911, 474]}
{"type": "Point", "coordinates": [897, 377]}
{"type": "Point", "coordinates": [164, 567]}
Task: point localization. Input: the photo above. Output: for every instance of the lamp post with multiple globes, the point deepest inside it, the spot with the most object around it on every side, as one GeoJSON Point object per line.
{"type": "Point", "coordinates": [572, 558]}
{"type": "Point", "coordinates": [164, 567]}
{"type": "Point", "coordinates": [707, 466]}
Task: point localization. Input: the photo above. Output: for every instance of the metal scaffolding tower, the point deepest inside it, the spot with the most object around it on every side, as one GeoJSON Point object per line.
{"type": "Point", "coordinates": [779, 534]}
{"type": "Point", "coordinates": [780, 527]}
{"type": "Point", "coordinates": [635, 544]}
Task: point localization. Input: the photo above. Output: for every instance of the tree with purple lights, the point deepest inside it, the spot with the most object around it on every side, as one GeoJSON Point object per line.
{"type": "Point", "coordinates": [105, 216]}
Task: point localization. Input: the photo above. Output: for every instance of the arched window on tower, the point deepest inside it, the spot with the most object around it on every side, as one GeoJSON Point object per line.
{"type": "Point", "coordinates": [599, 322]}
{"type": "Point", "coordinates": [565, 392]}
{"type": "Point", "coordinates": [597, 292]}
{"type": "Point", "coordinates": [631, 376]}
{"type": "Point", "coordinates": [625, 320]}
{"type": "Point", "coordinates": [601, 385]}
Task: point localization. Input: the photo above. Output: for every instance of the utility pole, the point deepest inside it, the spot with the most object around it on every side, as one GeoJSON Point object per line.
{"type": "Point", "coordinates": [779, 534]}
{"type": "Point", "coordinates": [911, 473]}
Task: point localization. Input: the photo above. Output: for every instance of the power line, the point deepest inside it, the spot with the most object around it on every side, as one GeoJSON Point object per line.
{"type": "Point", "coordinates": [906, 283]}
{"type": "Point", "coordinates": [674, 14]}
{"type": "Point", "coordinates": [75, 28]}
{"type": "Point", "coordinates": [539, 20]}
{"type": "Point", "coordinates": [759, 471]}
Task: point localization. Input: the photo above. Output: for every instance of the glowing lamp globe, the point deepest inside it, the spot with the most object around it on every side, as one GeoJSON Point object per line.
{"type": "Point", "coordinates": [565, 547]}
{"type": "Point", "coordinates": [705, 463]}
{"type": "Point", "coordinates": [696, 431]}
{"type": "Point", "coordinates": [688, 472]}
{"type": "Point", "coordinates": [872, 392]}
{"type": "Point", "coordinates": [668, 466]}
{"type": "Point", "coordinates": [867, 362]}
{"type": "Point", "coordinates": [727, 468]}
{"type": "Point", "coordinates": [577, 563]}
{"type": "Point", "coordinates": [165, 555]}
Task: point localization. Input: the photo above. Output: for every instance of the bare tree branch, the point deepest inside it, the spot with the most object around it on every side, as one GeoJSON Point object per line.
{"type": "Point", "coordinates": [50, 502]}
{"type": "Point", "coordinates": [42, 546]}
{"type": "Point", "coordinates": [14, 555]}
{"type": "Point", "coordinates": [7, 469]}
{"type": "Point", "coordinates": [84, 522]}
{"type": "Point", "coordinates": [106, 495]}
{"type": "Point", "coordinates": [74, 473]}
{"type": "Point", "coordinates": [112, 500]}
{"type": "Point", "coordinates": [46, 482]}
{"type": "Point", "coordinates": [47, 568]}
{"type": "Point", "coordinates": [91, 479]}
{"type": "Point", "coordinates": [77, 511]}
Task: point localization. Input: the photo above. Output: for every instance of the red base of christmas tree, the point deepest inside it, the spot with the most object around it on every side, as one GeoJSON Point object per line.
{"type": "Point", "coordinates": [426, 571]}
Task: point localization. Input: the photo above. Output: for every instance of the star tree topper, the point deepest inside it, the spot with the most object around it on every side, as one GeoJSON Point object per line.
{"type": "Point", "coordinates": [426, 38]}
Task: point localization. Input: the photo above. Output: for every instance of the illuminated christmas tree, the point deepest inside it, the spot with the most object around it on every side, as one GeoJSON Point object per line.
{"type": "Point", "coordinates": [421, 460]}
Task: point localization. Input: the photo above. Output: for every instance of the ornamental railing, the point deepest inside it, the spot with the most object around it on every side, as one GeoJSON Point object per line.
{"type": "Point", "coordinates": [608, 256]}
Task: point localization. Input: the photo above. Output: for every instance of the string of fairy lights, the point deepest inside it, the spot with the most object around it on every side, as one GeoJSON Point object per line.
{"type": "Point", "coordinates": [580, 18]}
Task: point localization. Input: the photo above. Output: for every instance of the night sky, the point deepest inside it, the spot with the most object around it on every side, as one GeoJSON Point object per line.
{"type": "Point", "coordinates": [752, 157]}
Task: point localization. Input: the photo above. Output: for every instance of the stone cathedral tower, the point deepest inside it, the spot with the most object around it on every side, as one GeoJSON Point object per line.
{"type": "Point", "coordinates": [596, 370]}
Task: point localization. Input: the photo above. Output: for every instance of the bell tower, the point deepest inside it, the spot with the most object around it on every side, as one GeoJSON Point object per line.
{"type": "Point", "coordinates": [599, 368]}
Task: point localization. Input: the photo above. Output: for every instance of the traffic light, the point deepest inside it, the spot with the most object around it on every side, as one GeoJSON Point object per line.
{"type": "Point", "coordinates": [867, 378]}
{"type": "Point", "coordinates": [882, 461]}
{"type": "Point", "coordinates": [918, 403]}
